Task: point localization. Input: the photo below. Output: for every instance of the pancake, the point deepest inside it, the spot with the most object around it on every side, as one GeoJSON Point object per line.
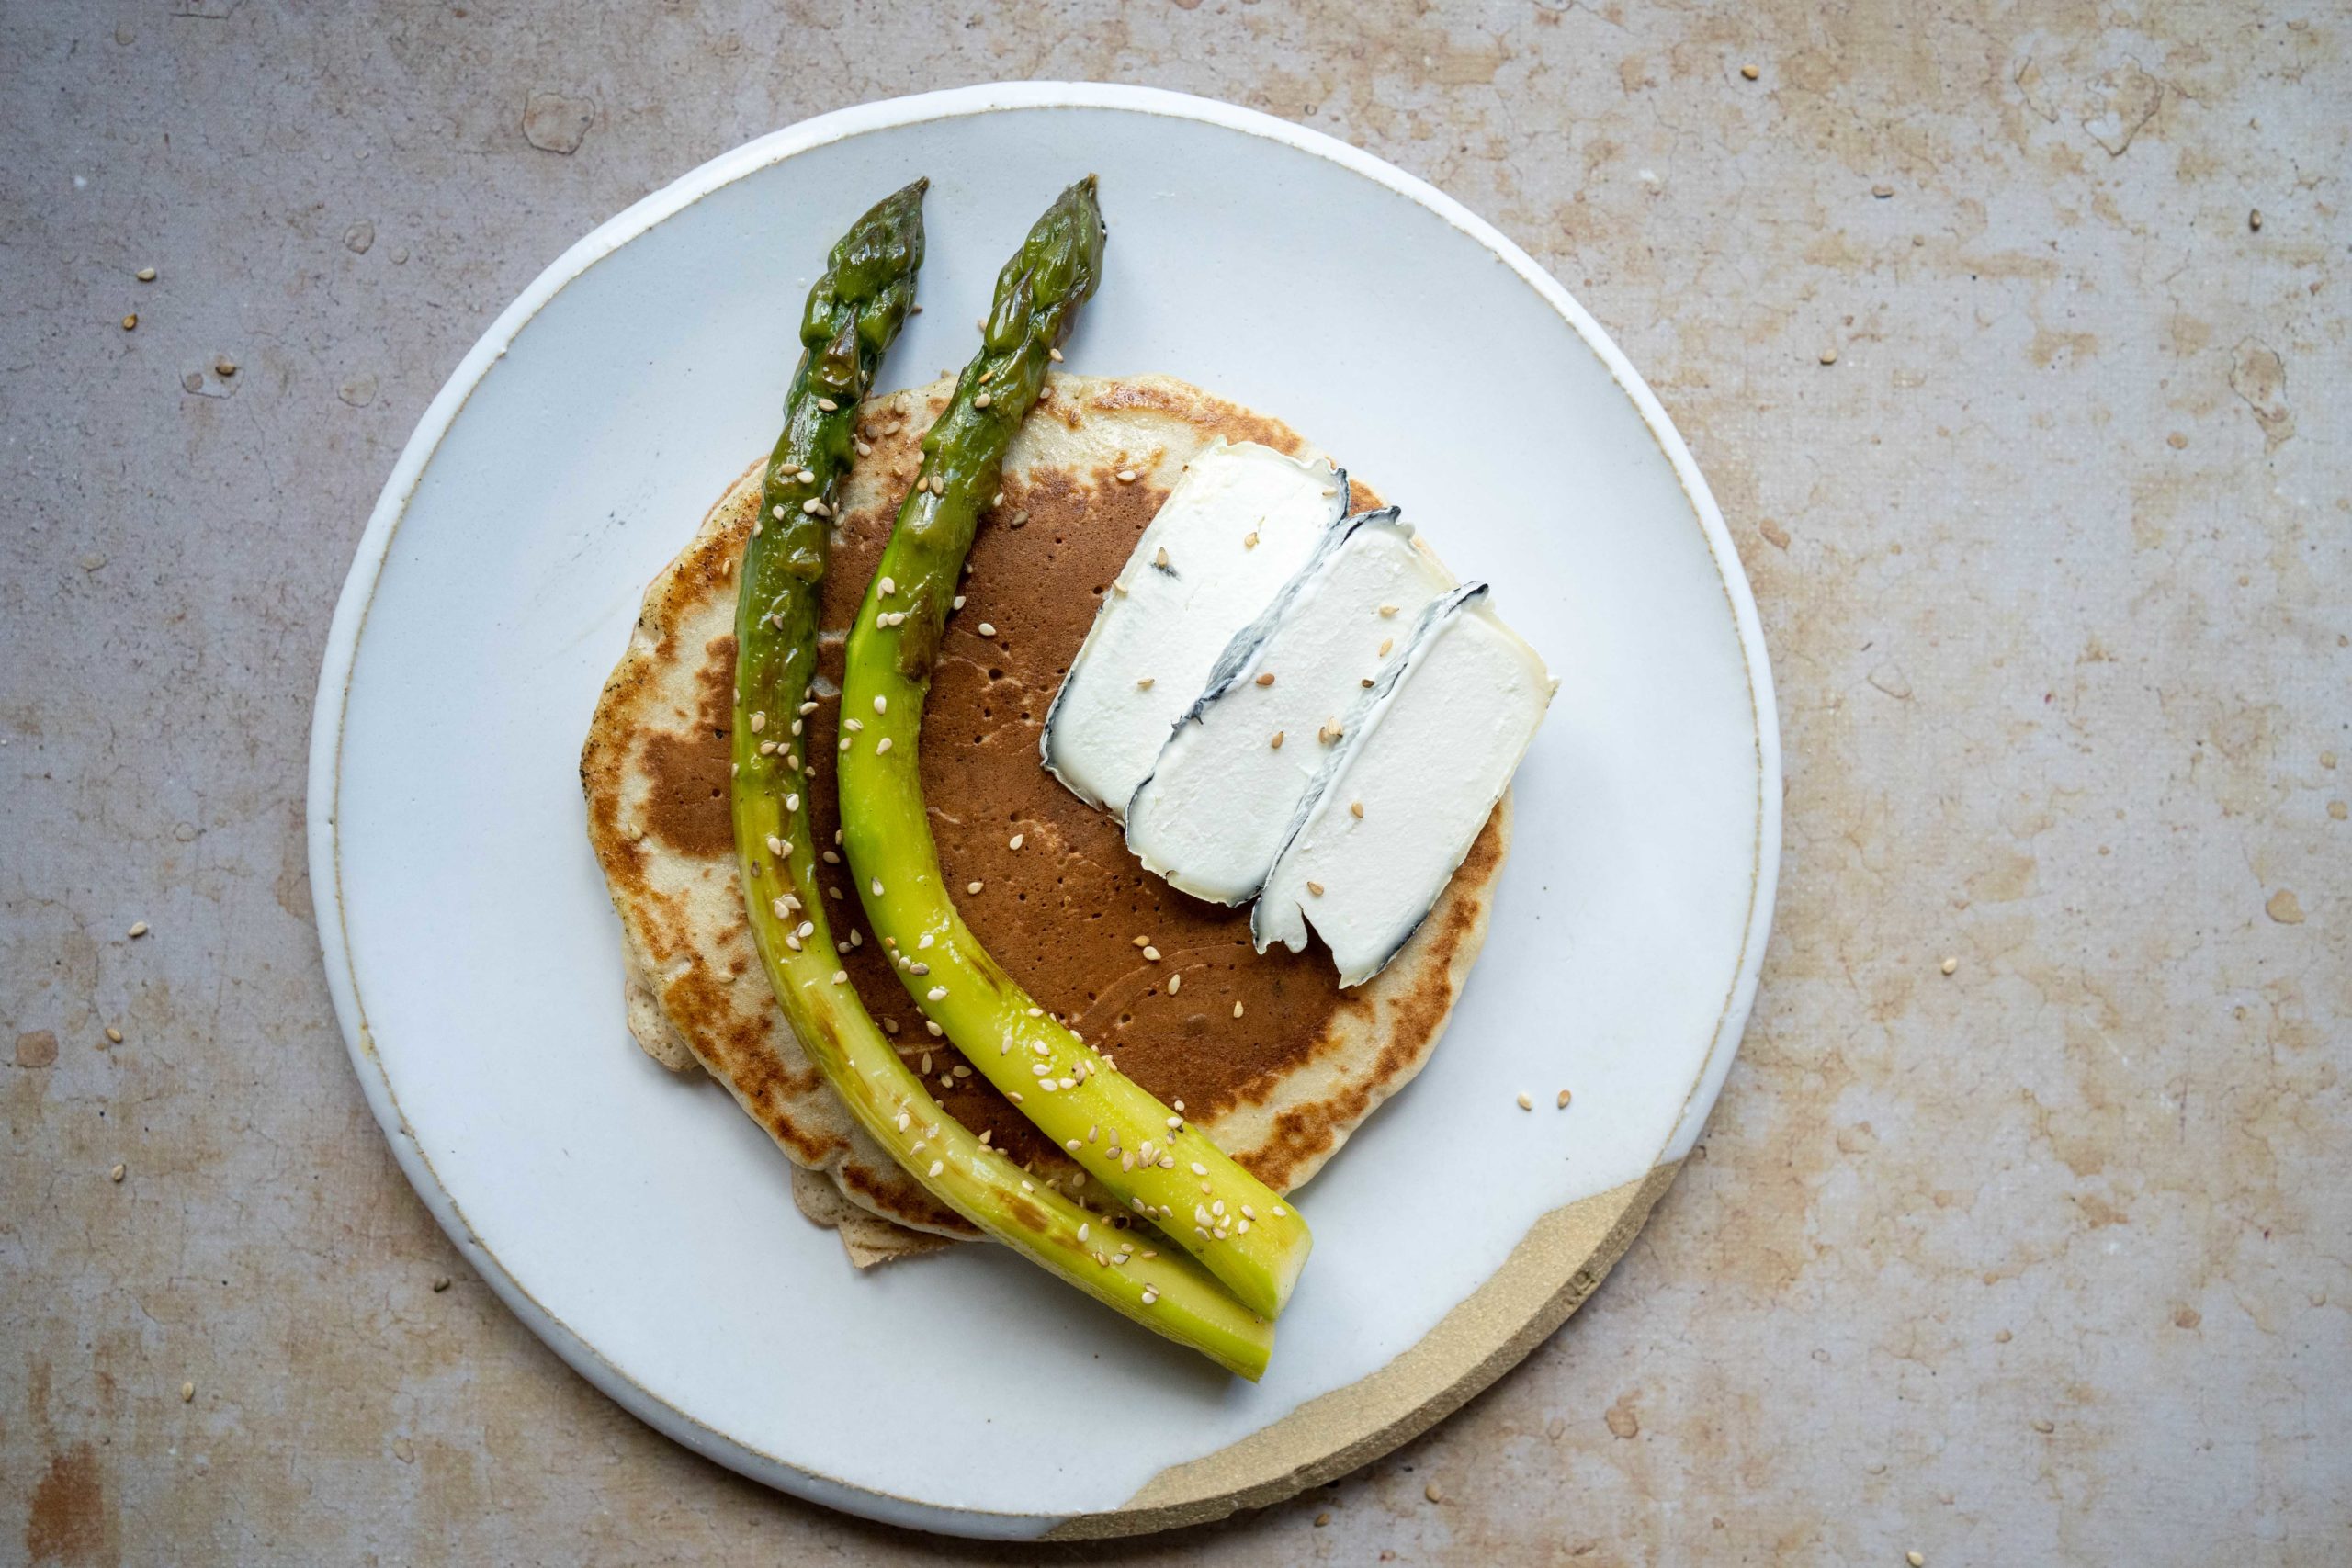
{"type": "Point", "coordinates": [1280, 1085]}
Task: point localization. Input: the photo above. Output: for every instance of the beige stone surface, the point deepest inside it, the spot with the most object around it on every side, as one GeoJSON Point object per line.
{"type": "Point", "coordinates": [2036, 447]}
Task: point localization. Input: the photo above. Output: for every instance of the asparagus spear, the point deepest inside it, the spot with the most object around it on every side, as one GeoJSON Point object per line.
{"type": "Point", "coordinates": [854, 313]}
{"type": "Point", "coordinates": [1157, 1165]}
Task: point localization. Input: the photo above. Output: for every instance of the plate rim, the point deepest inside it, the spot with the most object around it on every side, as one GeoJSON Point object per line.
{"type": "Point", "coordinates": [1489, 1353]}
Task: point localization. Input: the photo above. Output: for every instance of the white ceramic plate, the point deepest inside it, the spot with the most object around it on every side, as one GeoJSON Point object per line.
{"type": "Point", "coordinates": [640, 1223]}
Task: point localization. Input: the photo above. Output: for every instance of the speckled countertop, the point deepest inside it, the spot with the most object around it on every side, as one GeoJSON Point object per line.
{"type": "Point", "coordinates": [2014, 341]}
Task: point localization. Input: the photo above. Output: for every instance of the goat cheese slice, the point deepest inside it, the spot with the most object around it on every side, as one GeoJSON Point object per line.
{"type": "Point", "coordinates": [1228, 780]}
{"type": "Point", "coordinates": [1429, 750]}
{"type": "Point", "coordinates": [1236, 526]}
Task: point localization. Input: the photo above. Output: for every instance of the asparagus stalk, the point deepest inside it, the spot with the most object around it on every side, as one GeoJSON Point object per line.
{"type": "Point", "coordinates": [1157, 1165]}
{"type": "Point", "coordinates": [854, 313]}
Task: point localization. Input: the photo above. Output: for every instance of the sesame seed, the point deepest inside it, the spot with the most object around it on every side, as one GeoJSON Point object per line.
{"type": "Point", "coordinates": [1249, 540]}
{"type": "Point", "coordinates": [1175, 1123]}
{"type": "Point", "coordinates": [938, 484]}
{"type": "Point", "coordinates": [806, 708]}
{"type": "Point", "coordinates": [791, 803]}
{"type": "Point", "coordinates": [938, 993]}
{"type": "Point", "coordinates": [1280, 1212]}
{"type": "Point", "coordinates": [1385, 644]}
{"type": "Point", "coordinates": [841, 976]}
{"type": "Point", "coordinates": [1177, 1104]}
{"type": "Point", "coordinates": [1055, 353]}
{"type": "Point", "coordinates": [1126, 476]}
{"type": "Point", "coordinates": [1266, 678]}
{"type": "Point", "coordinates": [1175, 983]}
{"type": "Point", "coordinates": [1072, 1144]}
{"type": "Point", "coordinates": [1950, 966]}
{"type": "Point", "coordinates": [796, 727]}
{"type": "Point", "coordinates": [810, 506]}
{"type": "Point", "coordinates": [1526, 1102]}
{"type": "Point", "coordinates": [881, 746]}
{"type": "Point", "coordinates": [831, 858]}
{"type": "Point", "coordinates": [137, 930]}
{"type": "Point", "coordinates": [1149, 1295]}
{"type": "Point", "coordinates": [1316, 889]}
{"type": "Point", "coordinates": [935, 1031]}
{"type": "Point", "coordinates": [1355, 809]}
{"type": "Point", "coordinates": [1145, 684]}
{"type": "Point", "coordinates": [114, 1035]}
{"type": "Point", "coordinates": [1277, 742]}
{"type": "Point", "coordinates": [828, 404]}
{"type": "Point", "coordinates": [1388, 609]}
{"type": "Point", "coordinates": [1367, 681]}
{"type": "Point", "coordinates": [890, 1024]}
{"type": "Point", "coordinates": [1750, 71]}
{"type": "Point", "coordinates": [1014, 843]}
{"type": "Point", "coordinates": [863, 450]}
{"type": "Point", "coordinates": [776, 512]}
{"type": "Point", "coordinates": [937, 1166]}
{"type": "Point", "coordinates": [986, 630]}
{"type": "Point", "coordinates": [887, 587]}
{"type": "Point", "coordinates": [187, 1392]}
{"type": "Point", "coordinates": [1152, 952]}
{"type": "Point", "coordinates": [1562, 1103]}
{"type": "Point", "coordinates": [1199, 1169]}
{"type": "Point", "coordinates": [1236, 1010]}
{"type": "Point", "coordinates": [971, 887]}
{"type": "Point", "coordinates": [958, 603]}
{"type": "Point", "coordinates": [998, 499]}
{"type": "Point", "coordinates": [844, 743]}
{"type": "Point", "coordinates": [1161, 558]}
{"type": "Point", "coordinates": [1083, 1229]}
{"type": "Point", "coordinates": [833, 892]}
{"type": "Point", "coordinates": [981, 402]}
{"type": "Point", "coordinates": [877, 887]}
{"type": "Point", "coordinates": [145, 274]}
{"type": "Point", "coordinates": [131, 323]}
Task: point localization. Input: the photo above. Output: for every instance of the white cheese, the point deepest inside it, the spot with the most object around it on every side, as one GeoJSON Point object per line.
{"type": "Point", "coordinates": [1239, 524]}
{"type": "Point", "coordinates": [1397, 808]}
{"type": "Point", "coordinates": [1222, 795]}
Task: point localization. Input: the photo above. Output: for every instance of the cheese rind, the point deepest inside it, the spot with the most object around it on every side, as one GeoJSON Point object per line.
{"type": "Point", "coordinates": [1223, 793]}
{"type": "Point", "coordinates": [1429, 750]}
{"type": "Point", "coordinates": [1238, 525]}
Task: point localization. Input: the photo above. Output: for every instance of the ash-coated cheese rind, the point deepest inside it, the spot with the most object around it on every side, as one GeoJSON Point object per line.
{"type": "Point", "coordinates": [1238, 525]}
{"type": "Point", "coordinates": [1229, 779]}
{"type": "Point", "coordinates": [1430, 751]}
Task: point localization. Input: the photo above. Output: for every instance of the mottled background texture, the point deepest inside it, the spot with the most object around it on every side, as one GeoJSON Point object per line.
{"type": "Point", "coordinates": [2014, 341]}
